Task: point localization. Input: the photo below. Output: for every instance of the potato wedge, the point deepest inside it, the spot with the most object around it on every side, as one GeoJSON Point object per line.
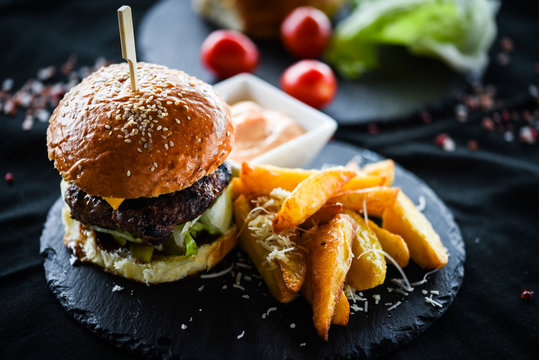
{"type": "Point", "coordinates": [272, 275]}
{"type": "Point", "coordinates": [375, 199]}
{"type": "Point", "coordinates": [329, 261]}
{"type": "Point", "coordinates": [368, 267]}
{"type": "Point", "coordinates": [424, 243]}
{"type": "Point", "coordinates": [294, 269]}
{"type": "Point", "coordinates": [238, 188]}
{"type": "Point", "coordinates": [324, 215]}
{"type": "Point", "coordinates": [392, 244]}
{"type": "Point", "coordinates": [262, 179]}
{"type": "Point", "coordinates": [342, 309]}
{"type": "Point", "coordinates": [364, 181]}
{"type": "Point", "coordinates": [385, 168]}
{"type": "Point", "coordinates": [309, 196]}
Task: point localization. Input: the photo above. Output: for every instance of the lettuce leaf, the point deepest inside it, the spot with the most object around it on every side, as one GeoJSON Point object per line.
{"type": "Point", "coordinates": [458, 32]}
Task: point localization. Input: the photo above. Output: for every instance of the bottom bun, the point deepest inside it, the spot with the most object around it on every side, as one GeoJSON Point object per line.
{"type": "Point", "coordinates": [81, 241]}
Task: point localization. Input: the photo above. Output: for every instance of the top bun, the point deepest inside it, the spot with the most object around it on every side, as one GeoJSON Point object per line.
{"type": "Point", "coordinates": [112, 142]}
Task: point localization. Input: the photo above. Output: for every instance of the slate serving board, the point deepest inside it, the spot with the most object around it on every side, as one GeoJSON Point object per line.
{"type": "Point", "coordinates": [147, 320]}
{"type": "Point", "coordinates": [171, 34]}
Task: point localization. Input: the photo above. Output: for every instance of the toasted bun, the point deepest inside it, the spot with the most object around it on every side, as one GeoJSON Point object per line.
{"type": "Point", "coordinates": [165, 269]}
{"type": "Point", "coordinates": [112, 142]}
{"type": "Point", "coordinates": [259, 18]}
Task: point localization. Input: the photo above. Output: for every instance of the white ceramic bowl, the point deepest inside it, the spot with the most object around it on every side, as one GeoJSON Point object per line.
{"type": "Point", "coordinates": [297, 152]}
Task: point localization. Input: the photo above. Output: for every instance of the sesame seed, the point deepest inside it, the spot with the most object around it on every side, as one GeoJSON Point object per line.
{"type": "Point", "coordinates": [107, 127]}
{"type": "Point", "coordinates": [178, 121]}
{"type": "Point", "coordinates": [166, 146]}
{"type": "Point", "coordinates": [127, 141]}
{"type": "Point", "coordinates": [159, 127]}
{"type": "Point", "coordinates": [80, 167]}
{"type": "Point", "coordinates": [186, 107]}
{"type": "Point", "coordinates": [165, 129]}
{"type": "Point", "coordinates": [171, 143]}
{"type": "Point", "coordinates": [139, 150]}
{"type": "Point", "coordinates": [169, 102]}
{"type": "Point", "coordinates": [118, 117]}
{"type": "Point", "coordinates": [128, 173]}
{"type": "Point", "coordinates": [188, 117]}
{"type": "Point", "coordinates": [155, 164]}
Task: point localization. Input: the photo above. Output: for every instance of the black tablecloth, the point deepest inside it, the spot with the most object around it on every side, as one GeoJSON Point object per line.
{"type": "Point", "coordinates": [492, 191]}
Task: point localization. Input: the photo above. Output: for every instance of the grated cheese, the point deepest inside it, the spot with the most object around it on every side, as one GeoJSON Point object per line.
{"type": "Point", "coordinates": [424, 281]}
{"type": "Point", "coordinates": [217, 274]}
{"type": "Point", "coordinates": [184, 326]}
{"type": "Point", "coordinates": [394, 306]}
{"type": "Point", "coordinates": [422, 203]}
{"type": "Point", "coordinates": [201, 288]}
{"type": "Point", "coordinates": [238, 287]}
{"type": "Point", "coordinates": [376, 298]}
{"type": "Point", "coordinates": [435, 292]}
{"type": "Point", "coordinates": [434, 303]}
{"type": "Point", "coordinates": [117, 288]}
{"type": "Point", "coordinates": [260, 222]}
{"type": "Point", "coordinates": [241, 335]}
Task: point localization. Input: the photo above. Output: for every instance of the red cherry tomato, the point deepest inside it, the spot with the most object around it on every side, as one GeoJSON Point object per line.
{"type": "Point", "coordinates": [227, 53]}
{"type": "Point", "coordinates": [305, 32]}
{"type": "Point", "coordinates": [310, 81]}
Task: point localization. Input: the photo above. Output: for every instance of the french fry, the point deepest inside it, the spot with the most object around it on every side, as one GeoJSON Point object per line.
{"type": "Point", "coordinates": [329, 261]}
{"type": "Point", "coordinates": [425, 246]}
{"type": "Point", "coordinates": [364, 181]}
{"type": "Point", "coordinates": [309, 196]}
{"type": "Point", "coordinates": [262, 179]}
{"type": "Point", "coordinates": [368, 267]}
{"type": "Point", "coordinates": [272, 275]}
{"type": "Point", "coordinates": [392, 244]}
{"type": "Point", "coordinates": [342, 309]}
{"type": "Point", "coordinates": [385, 168]}
{"type": "Point", "coordinates": [375, 199]}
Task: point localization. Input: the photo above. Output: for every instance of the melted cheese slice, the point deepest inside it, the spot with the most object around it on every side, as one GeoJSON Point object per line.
{"type": "Point", "coordinates": [114, 202]}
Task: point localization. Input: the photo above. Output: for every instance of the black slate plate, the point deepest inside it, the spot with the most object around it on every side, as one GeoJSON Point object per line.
{"type": "Point", "coordinates": [171, 34]}
{"type": "Point", "coordinates": [148, 320]}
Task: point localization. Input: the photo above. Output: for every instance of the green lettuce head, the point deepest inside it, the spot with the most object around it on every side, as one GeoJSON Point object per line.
{"type": "Point", "coordinates": [458, 32]}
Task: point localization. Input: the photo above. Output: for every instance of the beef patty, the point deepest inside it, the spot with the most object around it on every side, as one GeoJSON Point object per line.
{"type": "Point", "coordinates": [150, 219]}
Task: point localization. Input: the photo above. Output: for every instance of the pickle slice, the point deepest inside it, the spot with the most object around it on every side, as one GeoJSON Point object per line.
{"type": "Point", "coordinates": [143, 253]}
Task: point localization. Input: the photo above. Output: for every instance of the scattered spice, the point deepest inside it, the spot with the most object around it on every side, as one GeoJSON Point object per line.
{"type": "Point", "coordinates": [40, 95]}
{"type": "Point", "coordinates": [526, 294]}
{"type": "Point", "coordinates": [9, 178]}
{"type": "Point", "coordinates": [444, 141]}
{"type": "Point", "coordinates": [473, 145]}
{"type": "Point", "coordinates": [373, 129]}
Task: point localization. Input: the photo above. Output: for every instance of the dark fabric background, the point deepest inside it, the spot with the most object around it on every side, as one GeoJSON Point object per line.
{"type": "Point", "coordinates": [493, 193]}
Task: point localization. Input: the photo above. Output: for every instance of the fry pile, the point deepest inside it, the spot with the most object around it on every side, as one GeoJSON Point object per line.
{"type": "Point", "coordinates": [309, 231]}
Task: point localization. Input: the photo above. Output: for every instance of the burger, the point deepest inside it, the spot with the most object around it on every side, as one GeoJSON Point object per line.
{"type": "Point", "coordinates": [258, 18]}
{"type": "Point", "coordinates": [144, 176]}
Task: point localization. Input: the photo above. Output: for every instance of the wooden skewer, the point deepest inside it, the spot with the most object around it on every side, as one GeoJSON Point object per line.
{"type": "Point", "coordinates": [128, 43]}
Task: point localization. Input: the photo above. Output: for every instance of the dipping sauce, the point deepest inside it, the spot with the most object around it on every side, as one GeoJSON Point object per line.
{"type": "Point", "coordinates": [259, 130]}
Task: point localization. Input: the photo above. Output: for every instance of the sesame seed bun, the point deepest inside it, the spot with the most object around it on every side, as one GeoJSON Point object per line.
{"type": "Point", "coordinates": [162, 269]}
{"type": "Point", "coordinates": [112, 142]}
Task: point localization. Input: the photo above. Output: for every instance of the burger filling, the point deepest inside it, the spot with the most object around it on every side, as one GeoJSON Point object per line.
{"type": "Point", "coordinates": [175, 223]}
